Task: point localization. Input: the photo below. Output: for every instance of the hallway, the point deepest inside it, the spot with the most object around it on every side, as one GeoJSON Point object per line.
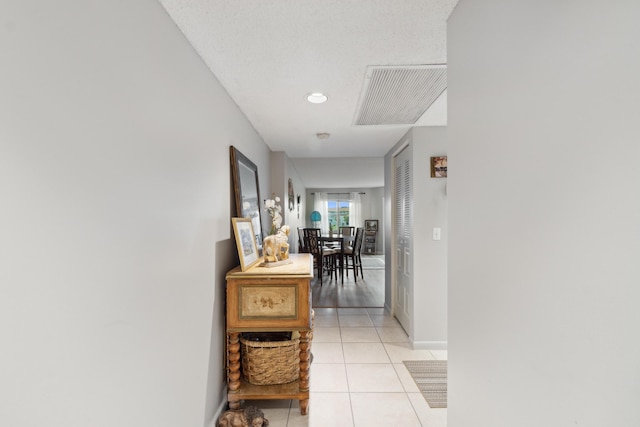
{"type": "Point", "coordinates": [367, 292]}
{"type": "Point", "coordinates": [357, 375]}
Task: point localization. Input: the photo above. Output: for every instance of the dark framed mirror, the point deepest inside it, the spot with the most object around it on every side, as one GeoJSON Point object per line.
{"type": "Point", "coordinates": [247, 191]}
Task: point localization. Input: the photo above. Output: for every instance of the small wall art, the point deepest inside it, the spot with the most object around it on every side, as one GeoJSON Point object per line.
{"type": "Point", "coordinates": [439, 167]}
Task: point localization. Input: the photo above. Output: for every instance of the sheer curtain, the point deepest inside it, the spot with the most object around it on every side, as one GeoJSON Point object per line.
{"type": "Point", "coordinates": [355, 210]}
{"type": "Point", "coordinates": [320, 204]}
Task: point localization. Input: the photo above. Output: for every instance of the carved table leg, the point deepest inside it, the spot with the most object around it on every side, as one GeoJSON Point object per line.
{"type": "Point", "coordinates": [233, 366]}
{"type": "Point", "coordinates": [304, 406]}
{"type": "Point", "coordinates": [233, 361]}
{"type": "Point", "coordinates": [304, 368]}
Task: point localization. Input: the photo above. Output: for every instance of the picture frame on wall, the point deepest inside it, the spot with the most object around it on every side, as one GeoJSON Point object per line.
{"type": "Point", "coordinates": [439, 167]}
{"type": "Point", "coordinates": [246, 242]}
{"type": "Point", "coordinates": [291, 196]}
{"type": "Point", "coordinates": [371, 225]}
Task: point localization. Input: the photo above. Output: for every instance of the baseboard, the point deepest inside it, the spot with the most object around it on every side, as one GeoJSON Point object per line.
{"type": "Point", "coordinates": [429, 345]}
{"type": "Point", "coordinates": [387, 308]}
{"type": "Point", "coordinates": [221, 408]}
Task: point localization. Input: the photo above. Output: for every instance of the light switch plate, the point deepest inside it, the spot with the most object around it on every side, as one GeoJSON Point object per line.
{"type": "Point", "coordinates": [436, 233]}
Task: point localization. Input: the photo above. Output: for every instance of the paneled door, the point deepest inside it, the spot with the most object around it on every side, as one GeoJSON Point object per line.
{"type": "Point", "coordinates": [403, 225]}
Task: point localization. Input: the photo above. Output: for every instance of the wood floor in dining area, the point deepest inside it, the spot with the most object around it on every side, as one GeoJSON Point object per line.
{"type": "Point", "coordinates": [366, 292]}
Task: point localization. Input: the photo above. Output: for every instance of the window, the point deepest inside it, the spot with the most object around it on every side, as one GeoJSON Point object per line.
{"type": "Point", "coordinates": [338, 213]}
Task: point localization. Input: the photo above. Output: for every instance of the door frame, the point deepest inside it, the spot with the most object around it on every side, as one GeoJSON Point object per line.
{"type": "Point", "coordinates": [394, 232]}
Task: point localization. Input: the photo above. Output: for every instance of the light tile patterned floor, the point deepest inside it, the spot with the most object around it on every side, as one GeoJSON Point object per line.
{"type": "Point", "coordinates": [357, 376]}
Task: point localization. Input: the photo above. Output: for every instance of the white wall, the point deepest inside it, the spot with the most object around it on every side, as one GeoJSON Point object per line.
{"type": "Point", "coordinates": [544, 201]}
{"type": "Point", "coordinates": [429, 322]}
{"type": "Point", "coordinates": [429, 256]}
{"type": "Point", "coordinates": [281, 170]}
{"type": "Point", "coordinates": [336, 172]}
{"type": "Point", "coordinates": [114, 219]}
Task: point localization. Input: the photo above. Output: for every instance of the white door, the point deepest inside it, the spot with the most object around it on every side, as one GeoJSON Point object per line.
{"type": "Point", "coordinates": [403, 222]}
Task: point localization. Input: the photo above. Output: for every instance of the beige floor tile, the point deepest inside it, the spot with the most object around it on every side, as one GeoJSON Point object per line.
{"type": "Point", "coordinates": [326, 322]}
{"type": "Point", "coordinates": [439, 354]}
{"type": "Point", "coordinates": [365, 353]}
{"type": "Point", "coordinates": [403, 351]}
{"type": "Point", "coordinates": [429, 417]}
{"type": "Point", "coordinates": [350, 311]}
{"type": "Point", "coordinates": [276, 411]}
{"type": "Point", "coordinates": [383, 410]}
{"type": "Point", "coordinates": [321, 312]}
{"type": "Point", "coordinates": [385, 320]}
{"type": "Point", "coordinates": [373, 378]}
{"type": "Point", "coordinates": [325, 410]}
{"type": "Point", "coordinates": [326, 335]}
{"type": "Point", "coordinates": [328, 377]}
{"type": "Point", "coordinates": [405, 378]}
{"type": "Point", "coordinates": [357, 377]}
{"type": "Point", "coordinates": [327, 352]}
{"type": "Point", "coordinates": [359, 335]}
{"type": "Point", "coordinates": [270, 403]}
{"type": "Point", "coordinates": [378, 311]}
{"type": "Point", "coordinates": [392, 334]}
{"type": "Point", "coordinates": [355, 321]}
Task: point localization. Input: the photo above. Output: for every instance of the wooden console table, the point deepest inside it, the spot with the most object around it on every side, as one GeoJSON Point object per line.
{"type": "Point", "coordinates": [269, 300]}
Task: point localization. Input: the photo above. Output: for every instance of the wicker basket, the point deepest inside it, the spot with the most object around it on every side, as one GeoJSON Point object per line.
{"type": "Point", "coordinates": [270, 362]}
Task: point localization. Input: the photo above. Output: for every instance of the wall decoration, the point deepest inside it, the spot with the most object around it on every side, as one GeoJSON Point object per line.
{"type": "Point", "coordinates": [371, 225]}
{"type": "Point", "coordinates": [291, 196]}
{"type": "Point", "coordinates": [246, 242]}
{"type": "Point", "coordinates": [439, 167]}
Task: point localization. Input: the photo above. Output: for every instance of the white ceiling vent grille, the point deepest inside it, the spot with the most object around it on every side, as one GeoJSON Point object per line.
{"type": "Point", "coordinates": [399, 95]}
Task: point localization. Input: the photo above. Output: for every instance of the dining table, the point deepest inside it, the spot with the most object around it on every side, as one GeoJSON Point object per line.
{"type": "Point", "coordinates": [344, 242]}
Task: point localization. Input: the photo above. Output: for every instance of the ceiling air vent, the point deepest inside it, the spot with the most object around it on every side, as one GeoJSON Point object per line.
{"type": "Point", "coordinates": [399, 95]}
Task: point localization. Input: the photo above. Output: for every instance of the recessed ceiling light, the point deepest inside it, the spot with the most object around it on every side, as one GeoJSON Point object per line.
{"type": "Point", "coordinates": [323, 135]}
{"type": "Point", "coordinates": [317, 97]}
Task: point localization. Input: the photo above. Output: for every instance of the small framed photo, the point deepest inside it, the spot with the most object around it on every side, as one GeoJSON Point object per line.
{"type": "Point", "coordinates": [246, 242]}
{"type": "Point", "coordinates": [439, 167]}
{"type": "Point", "coordinates": [370, 225]}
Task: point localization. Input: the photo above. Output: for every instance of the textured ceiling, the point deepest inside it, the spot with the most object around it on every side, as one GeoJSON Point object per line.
{"type": "Point", "coordinates": [270, 54]}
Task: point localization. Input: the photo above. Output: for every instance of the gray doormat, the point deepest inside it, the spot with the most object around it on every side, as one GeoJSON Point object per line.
{"type": "Point", "coordinates": [431, 378]}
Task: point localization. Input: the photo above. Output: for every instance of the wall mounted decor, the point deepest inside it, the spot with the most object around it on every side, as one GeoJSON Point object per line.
{"type": "Point", "coordinates": [291, 196]}
{"type": "Point", "coordinates": [439, 167]}
{"type": "Point", "coordinates": [371, 225]}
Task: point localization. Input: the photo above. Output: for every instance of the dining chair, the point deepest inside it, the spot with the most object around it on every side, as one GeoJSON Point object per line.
{"type": "Point", "coordinates": [302, 248]}
{"type": "Point", "coordinates": [353, 252]}
{"type": "Point", "coordinates": [324, 258]}
{"type": "Point", "coordinates": [344, 230]}
{"type": "Point", "coordinates": [347, 230]}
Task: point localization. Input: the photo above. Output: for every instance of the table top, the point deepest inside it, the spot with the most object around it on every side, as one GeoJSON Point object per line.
{"type": "Point", "coordinates": [301, 266]}
{"type": "Point", "coordinates": [336, 238]}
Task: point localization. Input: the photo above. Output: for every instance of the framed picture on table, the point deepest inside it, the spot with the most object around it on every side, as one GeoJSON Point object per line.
{"type": "Point", "coordinates": [371, 225]}
{"type": "Point", "coordinates": [246, 242]}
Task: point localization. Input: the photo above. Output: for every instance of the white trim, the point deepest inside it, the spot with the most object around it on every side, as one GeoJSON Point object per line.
{"type": "Point", "coordinates": [221, 408]}
{"type": "Point", "coordinates": [429, 345]}
{"type": "Point", "coordinates": [404, 145]}
{"type": "Point", "coordinates": [388, 309]}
